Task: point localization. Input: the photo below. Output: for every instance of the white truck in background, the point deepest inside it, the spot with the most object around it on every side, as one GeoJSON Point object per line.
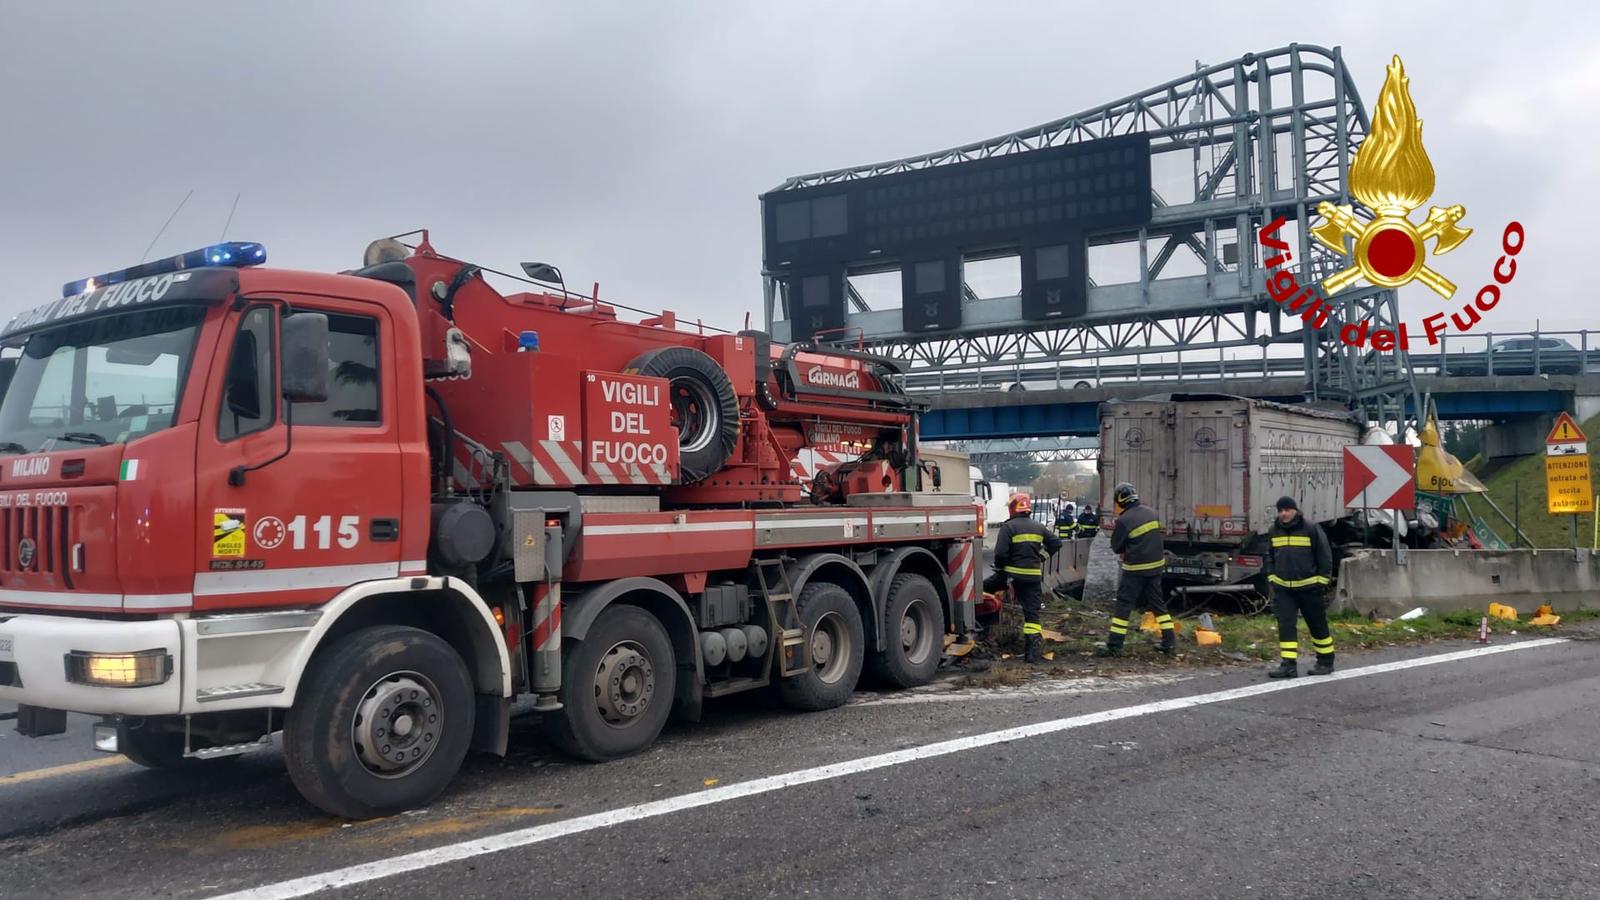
{"type": "Point", "coordinates": [999, 493]}
{"type": "Point", "coordinates": [1213, 467]}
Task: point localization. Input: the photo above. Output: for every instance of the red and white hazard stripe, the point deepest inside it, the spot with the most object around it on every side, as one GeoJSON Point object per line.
{"type": "Point", "coordinates": [812, 460]}
{"type": "Point", "coordinates": [560, 463]}
{"type": "Point", "coordinates": [546, 619]}
{"type": "Point", "coordinates": [963, 571]}
{"type": "Point", "coordinates": [545, 671]}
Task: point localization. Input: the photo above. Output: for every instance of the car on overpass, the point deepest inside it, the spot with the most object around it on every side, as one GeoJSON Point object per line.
{"type": "Point", "coordinates": [1534, 355]}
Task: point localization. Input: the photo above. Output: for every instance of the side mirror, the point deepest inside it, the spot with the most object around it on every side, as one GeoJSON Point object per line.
{"type": "Point", "coordinates": [304, 338]}
{"type": "Point", "coordinates": [541, 272]}
{"type": "Point", "coordinates": [8, 368]}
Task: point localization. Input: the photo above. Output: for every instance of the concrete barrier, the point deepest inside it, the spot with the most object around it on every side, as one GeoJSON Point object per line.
{"type": "Point", "coordinates": [1066, 571]}
{"type": "Point", "coordinates": [1447, 580]}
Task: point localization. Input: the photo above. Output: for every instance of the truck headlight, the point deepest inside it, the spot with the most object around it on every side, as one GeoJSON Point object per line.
{"type": "Point", "coordinates": [141, 668]}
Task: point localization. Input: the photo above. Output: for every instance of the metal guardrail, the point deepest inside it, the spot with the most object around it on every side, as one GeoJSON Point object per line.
{"type": "Point", "coordinates": [1489, 354]}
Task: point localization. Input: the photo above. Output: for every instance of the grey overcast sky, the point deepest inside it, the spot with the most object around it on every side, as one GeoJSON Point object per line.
{"type": "Point", "coordinates": [627, 142]}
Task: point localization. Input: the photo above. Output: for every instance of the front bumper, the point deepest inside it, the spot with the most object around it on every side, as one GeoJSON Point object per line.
{"type": "Point", "coordinates": [39, 646]}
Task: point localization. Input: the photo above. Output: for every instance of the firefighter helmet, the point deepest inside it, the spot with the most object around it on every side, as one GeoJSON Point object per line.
{"type": "Point", "coordinates": [1019, 504]}
{"type": "Point", "coordinates": [1126, 494]}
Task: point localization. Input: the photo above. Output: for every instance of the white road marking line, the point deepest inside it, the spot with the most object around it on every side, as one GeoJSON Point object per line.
{"type": "Point", "coordinates": [510, 840]}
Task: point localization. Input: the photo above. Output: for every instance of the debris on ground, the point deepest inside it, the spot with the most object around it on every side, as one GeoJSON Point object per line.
{"type": "Point", "coordinates": [1074, 634]}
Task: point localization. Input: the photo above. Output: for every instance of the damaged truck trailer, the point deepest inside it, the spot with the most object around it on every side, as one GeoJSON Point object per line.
{"type": "Point", "coordinates": [1212, 467]}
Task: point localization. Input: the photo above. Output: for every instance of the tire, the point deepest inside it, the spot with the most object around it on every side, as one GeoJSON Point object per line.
{"type": "Point", "coordinates": [830, 618]}
{"type": "Point", "coordinates": [617, 686]}
{"type": "Point", "coordinates": [913, 632]}
{"type": "Point", "coordinates": [705, 409]}
{"type": "Point", "coordinates": [332, 737]}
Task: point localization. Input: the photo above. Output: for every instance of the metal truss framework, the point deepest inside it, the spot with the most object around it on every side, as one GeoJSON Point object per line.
{"type": "Point", "coordinates": [1264, 135]}
{"type": "Point", "coordinates": [1044, 450]}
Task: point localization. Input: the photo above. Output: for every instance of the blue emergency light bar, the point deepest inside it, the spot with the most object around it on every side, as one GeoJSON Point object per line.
{"type": "Point", "coordinates": [232, 253]}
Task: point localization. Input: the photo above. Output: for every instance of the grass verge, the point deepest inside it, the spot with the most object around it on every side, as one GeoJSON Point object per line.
{"type": "Point", "coordinates": [1245, 639]}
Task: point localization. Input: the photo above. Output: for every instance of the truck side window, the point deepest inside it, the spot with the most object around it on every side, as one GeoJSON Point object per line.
{"type": "Point", "coordinates": [248, 395]}
{"type": "Point", "coordinates": [353, 396]}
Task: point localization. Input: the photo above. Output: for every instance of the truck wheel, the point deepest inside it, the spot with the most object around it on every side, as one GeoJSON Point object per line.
{"type": "Point", "coordinates": [617, 686]}
{"type": "Point", "coordinates": [381, 722]}
{"type": "Point", "coordinates": [913, 631]}
{"type": "Point", "coordinates": [705, 409]}
{"type": "Point", "coordinates": [836, 639]}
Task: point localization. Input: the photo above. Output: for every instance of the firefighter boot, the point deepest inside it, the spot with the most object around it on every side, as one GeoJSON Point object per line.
{"type": "Point", "coordinates": [1111, 648]}
{"type": "Point", "coordinates": [1169, 642]}
{"type": "Point", "coordinates": [1287, 668]}
{"type": "Point", "coordinates": [1034, 654]}
{"type": "Point", "coordinates": [1324, 665]}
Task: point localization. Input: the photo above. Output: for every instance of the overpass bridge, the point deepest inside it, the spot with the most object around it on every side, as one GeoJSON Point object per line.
{"type": "Point", "coordinates": [1517, 353]}
{"type": "Point", "coordinates": [1520, 406]}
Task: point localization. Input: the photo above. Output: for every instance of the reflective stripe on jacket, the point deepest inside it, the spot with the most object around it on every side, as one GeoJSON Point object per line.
{"type": "Point", "coordinates": [1298, 555]}
{"type": "Point", "coordinates": [1137, 537]}
{"type": "Point", "coordinates": [1022, 545]}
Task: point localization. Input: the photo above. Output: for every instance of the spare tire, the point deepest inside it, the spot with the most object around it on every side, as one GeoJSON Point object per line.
{"type": "Point", "coordinates": [705, 410]}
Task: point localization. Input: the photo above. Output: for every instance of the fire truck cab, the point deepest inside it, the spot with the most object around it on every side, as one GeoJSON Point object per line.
{"type": "Point", "coordinates": [369, 509]}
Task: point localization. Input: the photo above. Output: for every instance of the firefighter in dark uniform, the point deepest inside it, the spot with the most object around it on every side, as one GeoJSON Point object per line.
{"type": "Point", "coordinates": [1067, 522]}
{"type": "Point", "coordinates": [1300, 563]}
{"type": "Point", "coordinates": [1088, 522]}
{"type": "Point", "coordinates": [1137, 539]}
{"type": "Point", "coordinates": [1019, 554]}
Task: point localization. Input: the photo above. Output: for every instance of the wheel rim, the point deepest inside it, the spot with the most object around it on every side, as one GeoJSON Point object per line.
{"type": "Point", "coordinates": [830, 647]}
{"type": "Point", "coordinates": [397, 724]}
{"type": "Point", "coordinates": [916, 632]}
{"type": "Point", "coordinates": [692, 405]}
{"type": "Point", "coordinates": [624, 684]}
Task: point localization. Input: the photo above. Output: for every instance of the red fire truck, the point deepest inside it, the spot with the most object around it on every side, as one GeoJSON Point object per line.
{"type": "Point", "coordinates": [368, 510]}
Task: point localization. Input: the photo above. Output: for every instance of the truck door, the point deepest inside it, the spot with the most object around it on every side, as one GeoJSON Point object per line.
{"type": "Point", "coordinates": [296, 529]}
{"type": "Point", "coordinates": [1209, 491]}
{"type": "Point", "coordinates": [1136, 447]}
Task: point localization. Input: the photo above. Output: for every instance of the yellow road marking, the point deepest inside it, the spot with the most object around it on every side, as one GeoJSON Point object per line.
{"type": "Point", "coordinates": [456, 824]}
{"type": "Point", "coordinates": [402, 828]}
{"type": "Point", "coordinates": [87, 765]}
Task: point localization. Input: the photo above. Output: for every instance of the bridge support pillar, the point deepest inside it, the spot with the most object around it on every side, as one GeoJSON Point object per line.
{"type": "Point", "coordinates": [1585, 408]}
{"type": "Point", "coordinates": [1516, 437]}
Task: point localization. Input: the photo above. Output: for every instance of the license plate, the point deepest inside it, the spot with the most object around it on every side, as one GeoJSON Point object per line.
{"type": "Point", "coordinates": [7, 654]}
{"type": "Point", "coordinates": [1186, 570]}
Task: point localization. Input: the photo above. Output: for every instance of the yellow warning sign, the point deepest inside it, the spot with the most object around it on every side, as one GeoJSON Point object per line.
{"type": "Point", "coordinates": [227, 532]}
{"type": "Point", "coordinates": [1567, 484]}
{"type": "Point", "coordinates": [1565, 431]}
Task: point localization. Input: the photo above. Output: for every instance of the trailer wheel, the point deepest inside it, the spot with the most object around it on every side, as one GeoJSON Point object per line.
{"type": "Point", "coordinates": [913, 630]}
{"type": "Point", "coordinates": [381, 722]}
{"type": "Point", "coordinates": [705, 409]}
{"type": "Point", "coordinates": [836, 640]}
{"type": "Point", "coordinates": [617, 684]}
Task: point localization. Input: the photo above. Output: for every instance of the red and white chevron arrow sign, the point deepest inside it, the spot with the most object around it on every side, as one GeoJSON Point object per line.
{"type": "Point", "coordinates": [1380, 476]}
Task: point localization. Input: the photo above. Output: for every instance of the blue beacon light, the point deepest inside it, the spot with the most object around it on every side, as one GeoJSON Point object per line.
{"type": "Point", "coordinates": [232, 254]}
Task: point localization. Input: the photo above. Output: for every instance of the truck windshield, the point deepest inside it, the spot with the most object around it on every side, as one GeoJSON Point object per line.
{"type": "Point", "coordinates": [101, 381]}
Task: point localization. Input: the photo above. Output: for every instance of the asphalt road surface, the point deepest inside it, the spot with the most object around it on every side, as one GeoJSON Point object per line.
{"type": "Point", "coordinates": [1411, 774]}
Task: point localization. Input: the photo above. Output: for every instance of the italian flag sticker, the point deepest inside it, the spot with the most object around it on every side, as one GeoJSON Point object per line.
{"type": "Point", "coordinates": [130, 469]}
